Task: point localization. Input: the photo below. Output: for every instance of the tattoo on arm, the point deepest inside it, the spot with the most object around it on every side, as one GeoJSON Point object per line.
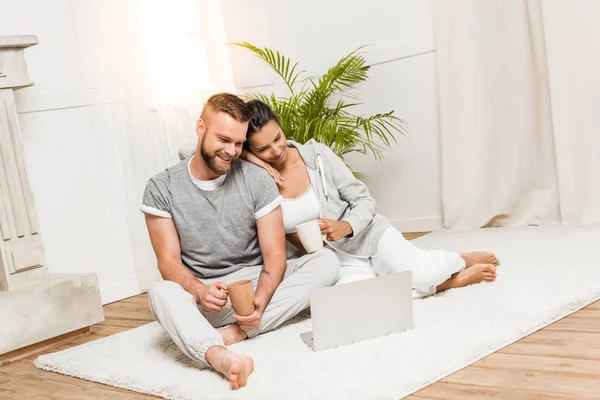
{"type": "Point", "coordinates": [264, 271]}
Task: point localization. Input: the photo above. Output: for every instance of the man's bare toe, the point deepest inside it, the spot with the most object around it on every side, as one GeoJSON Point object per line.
{"type": "Point", "coordinates": [234, 383]}
{"type": "Point", "coordinates": [235, 367]}
{"type": "Point", "coordinates": [239, 372]}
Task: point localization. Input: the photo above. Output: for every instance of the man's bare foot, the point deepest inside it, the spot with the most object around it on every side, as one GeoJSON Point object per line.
{"type": "Point", "coordinates": [469, 276]}
{"type": "Point", "coordinates": [235, 367]}
{"type": "Point", "coordinates": [479, 257]}
{"type": "Point", "coordinates": [232, 334]}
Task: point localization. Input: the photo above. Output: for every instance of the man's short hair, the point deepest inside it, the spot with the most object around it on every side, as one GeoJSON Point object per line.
{"type": "Point", "coordinates": [231, 105]}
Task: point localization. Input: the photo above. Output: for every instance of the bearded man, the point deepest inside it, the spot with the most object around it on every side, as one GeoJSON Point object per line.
{"type": "Point", "coordinates": [214, 220]}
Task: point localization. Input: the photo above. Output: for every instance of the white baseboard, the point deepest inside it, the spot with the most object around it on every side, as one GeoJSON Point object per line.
{"type": "Point", "coordinates": [418, 224]}
{"type": "Point", "coordinates": [119, 291]}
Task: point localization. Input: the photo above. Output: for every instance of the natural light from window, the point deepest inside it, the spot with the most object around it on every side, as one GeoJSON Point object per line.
{"type": "Point", "coordinates": [174, 49]}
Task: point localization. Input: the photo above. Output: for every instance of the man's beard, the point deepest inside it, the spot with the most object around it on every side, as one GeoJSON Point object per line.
{"type": "Point", "coordinates": [211, 162]}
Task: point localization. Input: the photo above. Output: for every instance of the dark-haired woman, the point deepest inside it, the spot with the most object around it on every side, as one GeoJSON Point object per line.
{"type": "Point", "coordinates": [316, 184]}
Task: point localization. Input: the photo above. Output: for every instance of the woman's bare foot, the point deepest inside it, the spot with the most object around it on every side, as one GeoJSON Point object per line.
{"type": "Point", "coordinates": [232, 334]}
{"type": "Point", "coordinates": [235, 367]}
{"type": "Point", "coordinates": [479, 257]}
{"type": "Point", "coordinates": [475, 274]}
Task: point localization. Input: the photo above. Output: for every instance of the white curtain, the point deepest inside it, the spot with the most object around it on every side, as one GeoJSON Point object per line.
{"type": "Point", "coordinates": [160, 61]}
{"type": "Point", "coordinates": [519, 91]}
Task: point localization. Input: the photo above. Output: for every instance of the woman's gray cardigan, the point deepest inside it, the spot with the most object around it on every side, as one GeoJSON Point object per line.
{"type": "Point", "coordinates": [342, 197]}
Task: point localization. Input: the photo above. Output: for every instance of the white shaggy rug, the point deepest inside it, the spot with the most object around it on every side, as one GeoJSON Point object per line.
{"type": "Point", "coordinates": [545, 274]}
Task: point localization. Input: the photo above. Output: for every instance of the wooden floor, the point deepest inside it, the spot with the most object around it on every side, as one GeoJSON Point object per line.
{"type": "Point", "coordinates": [561, 361]}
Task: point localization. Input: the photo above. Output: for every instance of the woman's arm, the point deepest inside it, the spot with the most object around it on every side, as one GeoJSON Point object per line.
{"type": "Point", "coordinates": [248, 156]}
{"type": "Point", "coordinates": [362, 206]}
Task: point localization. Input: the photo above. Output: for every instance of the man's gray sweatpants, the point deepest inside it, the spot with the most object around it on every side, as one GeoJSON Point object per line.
{"type": "Point", "coordinates": [193, 329]}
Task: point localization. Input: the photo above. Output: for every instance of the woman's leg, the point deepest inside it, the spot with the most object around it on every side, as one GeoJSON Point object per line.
{"type": "Point", "coordinates": [353, 269]}
{"type": "Point", "coordinates": [356, 269]}
{"type": "Point", "coordinates": [432, 270]}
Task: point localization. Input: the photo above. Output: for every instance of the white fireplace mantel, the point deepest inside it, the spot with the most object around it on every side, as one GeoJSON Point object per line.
{"type": "Point", "coordinates": [13, 70]}
{"type": "Point", "coordinates": [34, 305]}
{"type": "Point", "coordinates": [21, 249]}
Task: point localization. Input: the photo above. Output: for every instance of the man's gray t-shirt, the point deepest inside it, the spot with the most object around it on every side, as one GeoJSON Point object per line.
{"type": "Point", "coordinates": [217, 228]}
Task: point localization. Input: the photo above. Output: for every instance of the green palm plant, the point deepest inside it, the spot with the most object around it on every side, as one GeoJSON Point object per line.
{"type": "Point", "coordinates": [320, 108]}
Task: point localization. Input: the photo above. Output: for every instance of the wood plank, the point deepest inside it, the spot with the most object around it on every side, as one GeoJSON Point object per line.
{"type": "Point", "coordinates": [47, 344]}
{"type": "Point", "coordinates": [456, 391]}
{"type": "Point", "coordinates": [541, 382]}
{"type": "Point", "coordinates": [534, 363]}
{"type": "Point", "coordinates": [55, 386]}
{"type": "Point", "coordinates": [585, 320]}
{"type": "Point", "coordinates": [413, 235]}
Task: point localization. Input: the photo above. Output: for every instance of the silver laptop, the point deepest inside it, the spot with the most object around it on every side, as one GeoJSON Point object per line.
{"type": "Point", "coordinates": [356, 311]}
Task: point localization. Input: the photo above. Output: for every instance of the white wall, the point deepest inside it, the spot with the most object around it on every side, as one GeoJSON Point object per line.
{"type": "Point", "coordinates": [77, 153]}
{"type": "Point", "coordinates": [402, 54]}
{"type": "Point", "coordinates": [70, 148]}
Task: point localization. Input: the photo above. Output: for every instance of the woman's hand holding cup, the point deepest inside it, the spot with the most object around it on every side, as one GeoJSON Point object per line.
{"type": "Point", "coordinates": [334, 230]}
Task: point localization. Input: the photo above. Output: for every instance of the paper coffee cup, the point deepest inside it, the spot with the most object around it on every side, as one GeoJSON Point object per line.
{"type": "Point", "coordinates": [310, 236]}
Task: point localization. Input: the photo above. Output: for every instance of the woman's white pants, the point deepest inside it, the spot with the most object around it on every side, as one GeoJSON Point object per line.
{"type": "Point", "coordinates": [395, 254]}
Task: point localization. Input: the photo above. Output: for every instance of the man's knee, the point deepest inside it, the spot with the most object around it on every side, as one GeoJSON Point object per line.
{"type": "Point", "coordinates": [163, 289]}
{"type": "Point", "coordinates": [329, 264]}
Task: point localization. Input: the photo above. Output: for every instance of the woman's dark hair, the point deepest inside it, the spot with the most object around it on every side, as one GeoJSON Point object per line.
{"type": "Point", "coordinates": [260, 115]}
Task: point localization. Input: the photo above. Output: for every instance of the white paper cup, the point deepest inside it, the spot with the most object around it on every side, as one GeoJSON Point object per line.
{"type": "Point", "coordinates": [310, 236]}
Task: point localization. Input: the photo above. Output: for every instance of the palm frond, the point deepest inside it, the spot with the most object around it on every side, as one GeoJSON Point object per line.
{"type": "Point", "coordinates": [345, 75]}
{"type": "Point", "coordinates": [278, 62]}
{"type": "Point", "coordinates": [359, 175]}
